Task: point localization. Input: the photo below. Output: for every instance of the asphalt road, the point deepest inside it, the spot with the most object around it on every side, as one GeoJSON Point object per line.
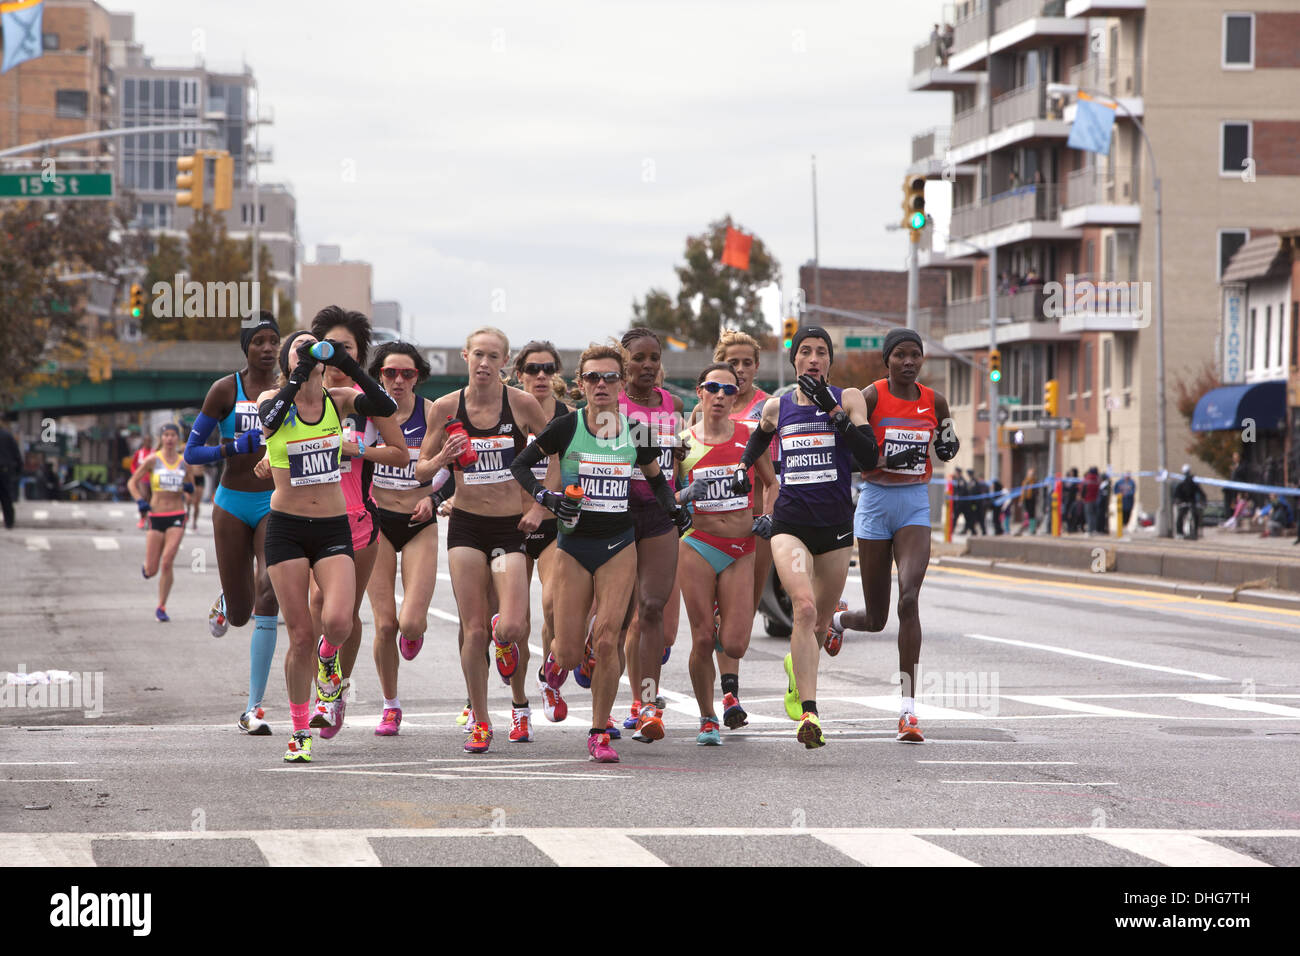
{"type": "Point", "coordinates": [1066, 725]}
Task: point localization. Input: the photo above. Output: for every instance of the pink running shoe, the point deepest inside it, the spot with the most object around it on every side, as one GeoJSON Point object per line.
{"type": "Point", "coordinates": [340, 706]}
{"type": "Point", "coordinates": [389, 723]}
{"type": "Point", "coordinates": [554, 675]}
{"type": "Point", "coordinates": [409, 648]}
{"type": "Point", "coordinates": [600, 750]}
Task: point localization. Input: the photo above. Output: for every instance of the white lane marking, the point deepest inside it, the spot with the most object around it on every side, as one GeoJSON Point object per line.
{"type": "Point", "coordinates": [77, 513]}
{"type": "Point", "coordinates": [37, 543]}
{"type": "Point", "coordinates": [46, 849]}
{"type": "Point", "coordinates": [37, 763]}
{"type": "Point", "coordinates": [310, 847]}
{"type": "Point", "coordinates": [1069, 652]}
{"type": "Point", "coordinates": [891, 849]}
{"type": "Point", "coordinates": [41, 515]}
{"type": "Point", "coordinates": [106, 544]}
{"type": "Point", "coordinates": [592, 847]}
{"type": "Point", "coordinates": [55, 780]}
{"type": "Point", "coordinates": [1064, 703]}
{"type": "Point", "coordinates": [1005, 762]}
{"type": "Point", "coordinates": [115, 512]}
{"type": "Point", "coordinates": [437, 612]}
{"type": "Point", "coordinates": [1176, 849]}
{"type": "Point", "coordinates": [1040, 783]}
{"type": "Point", "coordinates": [889, 702]}
{"type": "Point", "coordinates": [1241, 703]}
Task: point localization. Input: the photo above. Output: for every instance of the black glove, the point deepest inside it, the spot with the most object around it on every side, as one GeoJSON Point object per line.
{"type": "Point", "coordinates": [909, 457]}
{"type": "Point", "coordinates": [946, 450]}
{"type": "Point", "coordinates": [562, 506]}
{"type": "Point", "coordinates": [762, 527]}
{"type": "Point", "coordinates": [819, 392]}
{"type": "Point", "coordinates": [682, 518]}
{"type": "Point", "coordinates": [698, 488]}
{"type": "Point", "coordinates": [306, 363]}
{"type": "Point", "coordinates": [740, 483]}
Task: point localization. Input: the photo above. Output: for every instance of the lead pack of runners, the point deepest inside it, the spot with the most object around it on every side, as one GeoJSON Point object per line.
{"type": "Point", "coordinates": [336, 473]}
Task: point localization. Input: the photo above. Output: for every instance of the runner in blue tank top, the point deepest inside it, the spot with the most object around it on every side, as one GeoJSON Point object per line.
{"type": "Point", "coordinates": [241, 506]}
{"type": "Point", "coordinates": [820, 429]}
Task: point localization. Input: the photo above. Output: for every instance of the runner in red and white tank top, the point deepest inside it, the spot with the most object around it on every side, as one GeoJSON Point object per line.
{"type": "Point", "coordinates": [892, 522]}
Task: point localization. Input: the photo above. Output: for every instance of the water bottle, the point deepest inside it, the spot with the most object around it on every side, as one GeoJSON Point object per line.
{"type": "Point", "coordinates": [469, 455]}
{"type": "Point", "coordinates": [573, 493]}
{"type": "Point", "coordinates": [322, 351]}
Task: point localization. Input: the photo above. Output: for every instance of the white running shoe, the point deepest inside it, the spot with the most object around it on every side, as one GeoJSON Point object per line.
{"type": "Point", "coordinates": [217, 623]}
{"type": "Point", "coordinates": [251, 723]}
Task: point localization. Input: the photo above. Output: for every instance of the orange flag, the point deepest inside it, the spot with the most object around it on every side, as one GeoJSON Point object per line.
{"type": "Point", "coordinates": [736, 251]}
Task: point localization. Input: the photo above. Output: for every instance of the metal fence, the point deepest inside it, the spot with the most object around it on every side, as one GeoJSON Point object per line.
{"type": "Point", "coordinates": [1101, 186]}
{"type": "Point", "coordinates": [1036, 202]}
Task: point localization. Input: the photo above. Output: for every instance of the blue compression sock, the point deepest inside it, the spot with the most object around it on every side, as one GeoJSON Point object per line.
{"type": "Point", "coordinates": [260, 652]}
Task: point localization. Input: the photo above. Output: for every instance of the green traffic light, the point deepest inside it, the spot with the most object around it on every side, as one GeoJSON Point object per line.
{"type": "Point", "coordinates": [917, 220]}
{"type": "Point", "coordinates": [135, 313]}
{"type": "Point", "coordinates": [787, 343]}
{"type": "Point", "coordinates": [995, 375]}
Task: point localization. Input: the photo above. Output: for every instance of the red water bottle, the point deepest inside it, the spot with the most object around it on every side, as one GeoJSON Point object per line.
{"type": "Point", "coordinates": [469, 455]}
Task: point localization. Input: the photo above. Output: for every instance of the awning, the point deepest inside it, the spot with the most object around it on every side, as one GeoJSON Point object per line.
{"type": "Point", "coordinates": [1230, 405]}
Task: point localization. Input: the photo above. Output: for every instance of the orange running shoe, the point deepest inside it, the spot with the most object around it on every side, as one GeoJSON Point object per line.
{"type": "Point", "coordinates": [650, 725]}
{"type": "Point", "coordinates": [909, 731]}
{"type": "Point", "coordinates": [835, 635]}
{"type": "Point", "coordinates": [479, 739]}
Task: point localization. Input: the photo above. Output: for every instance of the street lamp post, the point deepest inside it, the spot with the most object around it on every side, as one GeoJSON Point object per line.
{"type": "Point", "coordinates": [992, 253]}
{"type": "Point", "coordinates": [1163, 528]}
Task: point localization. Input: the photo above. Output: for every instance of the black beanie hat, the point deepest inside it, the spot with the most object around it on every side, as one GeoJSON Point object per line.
{"type": "Point", "coordinates": [265, 320]}
{"type": "Point", "coordinates": [896, 337]}
{"type": "Point", "coordinates": [815, 332]}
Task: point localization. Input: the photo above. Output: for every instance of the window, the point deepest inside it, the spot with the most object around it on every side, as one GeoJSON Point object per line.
{"type": "Point", "coordinates": [1238, 41]}
{"type": "Point", "coordinates": [1268, 335]}
{"type": "Point", "coordinates": [1234, 147]}
{"type": "Point", "coordinates": [1072, 364]}
{"type": "Point", "coordinates": [70, 104]}
{"type": "Point", "coordinates": [1087, 375]}
{"type": "Point", "coordinates": [1250, 342]}
{"type": "Point", "coordinates": [128, 94]}
{"type": "Point", "coordinates": [49, 41]}
{"type": "Point", "coordinates": [1295, 333]}
{"type": "Point", "coordinates": [1105, 365]}
{"type": "Point", "coordinates": [1126, 361]}
{"type": "Point", "coordinates": [189, 94]}
{"type": "Point", "coordinates": [1230, 240]}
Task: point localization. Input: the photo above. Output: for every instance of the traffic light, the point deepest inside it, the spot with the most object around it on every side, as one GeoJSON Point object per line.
{"type": "Point", "coordinates": [137, 301]}
{"type": "Point", "coordinates": [223, 181]}
{"type": "Point", "coordinates": [189, 177]}
{"type": "Point", "coordinates": [1051, 397]}
{"type": "Point", "coordinates": [789, 328]}
{"type": "Point", "coordinates": [914, 206]}
{"type": "Point", "coordinates": [995, 366]}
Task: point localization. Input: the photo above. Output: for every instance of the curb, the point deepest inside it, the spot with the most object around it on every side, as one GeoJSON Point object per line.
{"type": "Point", "coordinates": [1284, 600]}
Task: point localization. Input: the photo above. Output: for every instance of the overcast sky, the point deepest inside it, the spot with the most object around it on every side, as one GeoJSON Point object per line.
{"type": "Point", "coordinates": [549, 159]}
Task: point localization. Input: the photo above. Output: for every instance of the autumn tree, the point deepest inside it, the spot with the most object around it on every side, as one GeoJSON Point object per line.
{"type": "Point", "coordinates": [1215, 448]}
{"type": "Point", "coordinates": [711, 296]}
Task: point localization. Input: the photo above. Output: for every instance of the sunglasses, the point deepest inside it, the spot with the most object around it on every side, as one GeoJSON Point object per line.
{"type": "Point", "coordinates": [593, 378]}
{"type": "Point", "coordinates": [726, 388]}
{"type": "Point", "coordinates": [408, 374]}
{"type": "Point", "coordinates": [532, 368]}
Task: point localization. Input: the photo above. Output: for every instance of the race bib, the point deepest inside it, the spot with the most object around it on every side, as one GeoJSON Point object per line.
{"type": "Point", "coordinates": [808, 459]}
{"type": "Point", "coordinates": [718, 496]}
{"type": "Point", "coordinates": [397, 479]}
{"type": "Point", "coordinates": [246, 417]}
{"type": "Point", "coordinates": [901, 439]}
{"type": "Point", "coordinates": [313, 461]}
{"type": "Point", "coordinates": [170, 480]}
{"type": "Point", "coordinates": [605, 484]}
{"type": "Point", "coordinates": [495, 455]}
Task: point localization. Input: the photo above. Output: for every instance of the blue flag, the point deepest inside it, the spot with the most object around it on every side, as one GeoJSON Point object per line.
{"type": "Point", "coordinates": [21, 23]}
{"type": "Point", "coordinates": [1092, 125]}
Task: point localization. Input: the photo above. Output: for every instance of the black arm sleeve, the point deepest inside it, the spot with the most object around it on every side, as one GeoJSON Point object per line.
{"type": "Point", "coordinates": [759, 439]}
{"type": "Point", "coordinates": [862, 443]}
{"type": "Point", "coordinates": [663, 493]}
{"type": "Point", "coordinates": [274, 409]}
{"type": "Point", "coordinates": [374, 401]}
{"type": "Point", "coordinates": [553, 438]}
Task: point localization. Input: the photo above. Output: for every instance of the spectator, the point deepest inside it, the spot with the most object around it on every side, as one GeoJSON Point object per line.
{"type": "Point", "coordinates": [1126, 488]}
{"type": "Point", "coordinates": [995, 506]}
{"type": "Point", "coordinates": [141, 453]}
{"type": "Point", "coordinates": [1029, 500]}
{"type": "Point", "coordinates": [1103, 503]}
{"type": "Point", "coordinates": [975, 505]}
{"type": "Point", "coordinates": [1238, 473]}
{"type": "Point", "coordinates": [11, 468]}
{"type": "Point", "coordinates": [958, 496]}
{"type": "Point", "coordinates": [1091, 495]}
{"type": "Point", "coordinates": [1032, 278]}
{"type": "Point", "coordinates": [1280, 517]}
{"type": "Point", "coordinates": [1188, 501]}
{"type": "Point", "coordinates": [1071, 507]}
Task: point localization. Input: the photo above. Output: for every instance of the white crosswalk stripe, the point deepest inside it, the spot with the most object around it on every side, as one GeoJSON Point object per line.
{"type": "Point", "coordinates": [603, 846]}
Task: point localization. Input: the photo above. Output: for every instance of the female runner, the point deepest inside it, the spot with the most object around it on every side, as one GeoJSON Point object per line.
{"type": "Point", "coordinates": [892, 522]}
{"type": "Point", "coordinates": [485, 543]}
{"type": "Point", "coordinates": [309, 533]}
{"type": "Point", "coordinates": [598, 451]}
{"type": "Point", "coordinates": [716, 564]}
{"type": "Point", "coordinates": [170, 482]}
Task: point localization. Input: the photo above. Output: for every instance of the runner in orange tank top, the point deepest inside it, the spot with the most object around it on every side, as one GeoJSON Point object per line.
{"type": "Point", "coordinates": [892, 521]}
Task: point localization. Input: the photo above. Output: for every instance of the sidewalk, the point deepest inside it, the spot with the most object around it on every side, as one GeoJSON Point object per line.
{"type": "Point", "coordinates": [1223, 565]}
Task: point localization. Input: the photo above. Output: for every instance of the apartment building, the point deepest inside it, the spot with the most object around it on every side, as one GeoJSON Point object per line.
{"type": "Point", "coordinates": [1214, 87]}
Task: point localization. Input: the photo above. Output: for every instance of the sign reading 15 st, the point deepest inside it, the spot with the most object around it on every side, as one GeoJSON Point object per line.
{"type": "Point", "coordinates": [58, 186]}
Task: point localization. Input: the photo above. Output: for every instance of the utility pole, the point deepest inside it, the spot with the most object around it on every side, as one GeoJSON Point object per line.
{"type": "Point", "coordinates": [994, 473]}
{"type": "Point", "coordinates": [817, 276]}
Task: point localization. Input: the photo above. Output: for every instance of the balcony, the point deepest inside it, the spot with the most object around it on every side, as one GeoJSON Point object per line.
{"type": "Point", "coordinates": [1024, 204]}
{"type": "Point", "coordinates": [1103, 8]}
{"type": "Point", "coordinates": [1027, 102]}
{"type": "Point", "coordinates": [1102, 196]}
{"type": "Point", "coordinates": [1115, 76]}
{"type": "Point", "coordinates": [1015, 22]}
{"type": "Point", "coordinates": [930, 70]}
{"type": "Point", "coordinates": [932, 144]}
{"type": "Point", "coordinates": [1022, 317]}
{"type": "Point", "coordinates": [1018, 116]}
{"type": "Point", "coordinates": [970, 125]}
